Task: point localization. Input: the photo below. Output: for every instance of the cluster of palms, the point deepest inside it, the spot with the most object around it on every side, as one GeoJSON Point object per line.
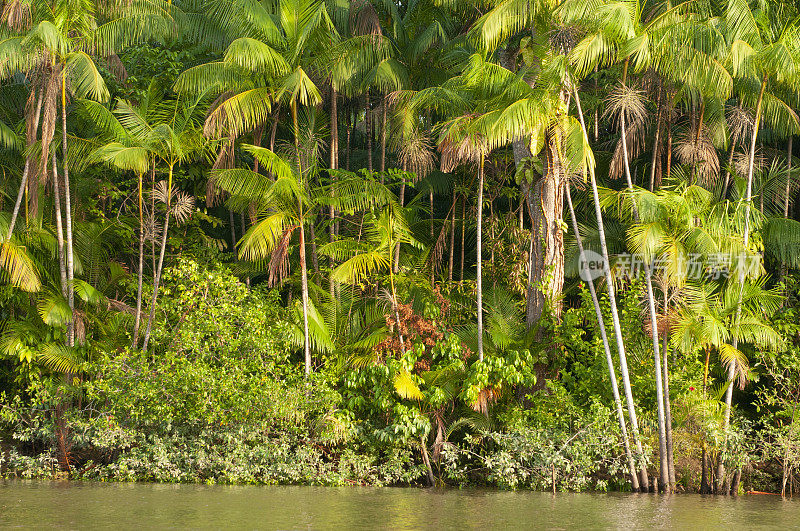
{"type": "Point", "coordinates": [687, 98]}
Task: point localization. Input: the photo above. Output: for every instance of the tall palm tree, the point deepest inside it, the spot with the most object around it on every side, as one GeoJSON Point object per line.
{"type": "Point", "coordinates": [765, 54]}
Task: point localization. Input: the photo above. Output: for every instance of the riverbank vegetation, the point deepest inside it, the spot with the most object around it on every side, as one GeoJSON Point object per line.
{"type": "Point", "coordinates": [545, 244]}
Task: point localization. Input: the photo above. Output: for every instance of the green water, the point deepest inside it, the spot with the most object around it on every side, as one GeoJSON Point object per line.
{"type": "Point", "coordinates": [93, 505]}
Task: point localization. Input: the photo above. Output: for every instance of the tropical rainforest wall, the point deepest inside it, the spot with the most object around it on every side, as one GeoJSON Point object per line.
{"type": "Point", "coordinates": [544, 244]}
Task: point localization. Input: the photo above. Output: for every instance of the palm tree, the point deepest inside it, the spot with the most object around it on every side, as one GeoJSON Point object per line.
{"type": "Point", "coordinates": [174, 137]}
{"type": "Point", "coordinates": [623, 359]}
{"type": "Point", "coordinates": [765, 54]}
{"type": "Point", "coordinates": [127, 150]}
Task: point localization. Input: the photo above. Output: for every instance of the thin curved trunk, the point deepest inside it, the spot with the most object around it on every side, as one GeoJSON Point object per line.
{"type": "Point", "coordinates": [788, 178]}
{"type": "Point", "coordinates": [479, 273]}
{"type": "Point", "coordinates": [67, 209]}
{"type": "Point", "coordinates": [452, 239]}
{"type": "Point", "coordinates": [705, 486]}
{"type": "Point", "coordinates": [648, 277]}
{"type": "Point", "coordinates": [644, 482]}
{"type": "Point", "coordinates": [62, 269]}
{"type": "Point", "coordinates": [30, 139]}
{"type": "Point", "coordinates": [463, 231]}
{"type": "Point", "coordinates": [301, 221]}
{"type": "Point", "coordinates": [160, 266]}
{"type": "Point", "coordinates": [734, 140]}
{"type": "Point", "coordinates": [368, 129]}
{"type": "Point", "coordinates": [746, 241]}
{"type": "Point", "coordinates": [668, 405]}
{"type": "Point", "coordinates": [383, 134]}
{"type": "Point", "coordinates": [656, 141]}
{"type": "Point", "coordinates": [606, 347]}
{"type": "Point", "coordinates": [140, 273]}
{"type": "Point", "coordinates": [334, 164]}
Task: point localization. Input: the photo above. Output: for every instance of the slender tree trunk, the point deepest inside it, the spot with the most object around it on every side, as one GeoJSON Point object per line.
{"type": "Point", "coordinates": [433, 268]}
{"type": "Point", "coordinates": [383, 133]}
{"type": "Point", "coordinates": [67, 209]}
{"type": "Point", "coordinates": [334, 164]}
{"type": "Point", "coordinates": [606, 347]}
{"type": "Point", "coordinates": [160, 266]}
{"type": "Point", "coordinates": [452, 239]}
{"type": "Point", "coordinates": [368, 129]}
{"type": "Point", "coordinates": [662, 442]}
{"type": "Point", "coordinates": [140, 273]}
{"type": "Point", "coordinates": [705, 485]}
{"type": "Point", "coordinates": [668, 405]}
{"type": "Point", "coordinates": [349, 140]}
{"type": "Point", "coordinates": [746, 242]}
{"type": "Point", "coordinates": [728, 167]}
{"type": "Point", "coordinates": [301, 221]}
{"type": "Point", "coordinates": [478, 256]}
{"type": "Point", "coordinates": [304, 286]}
{"type": "Point", "coordinates": [644, 482]}
{"type": "Point", "coordinates": [62, 268]}
{"type": "Point", "coordinates": [788, 178]}
{"type": "Point", "coordinates": [29, 141]}
{"type": "Point", "coordinates": [656, 140]}
{"type": "Point", "coordinates": [463, 232]}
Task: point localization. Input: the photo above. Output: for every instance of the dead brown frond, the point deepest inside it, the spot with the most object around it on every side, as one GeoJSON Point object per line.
{"type": "Point", "coordinates": [416, 155]}
{"type": "Point", "coordinates": [117, 68]}
{"type": "Point", "coordinates": [628, 102]}
{"type": "Point", "coordinates": [698, 152]}
{"type": "Point", "coordinates": [279, 262]}
{"type": "Point", "coordinates": [182, 206]}
{"type": "Point", "coordinates": [17, 15]}
{"type": "Point", "coordinates": [486, 397]}
{"type": "Point", "coordinates": [741, 161]}
{"type": "Point", "coordinates": [740, 122]}
{"type": "Point", "coordinates": [461, 147]}
{"type": "Point", "coordinates": [364, 19]}
{"type": "Point", "coordinates": [636, 142]}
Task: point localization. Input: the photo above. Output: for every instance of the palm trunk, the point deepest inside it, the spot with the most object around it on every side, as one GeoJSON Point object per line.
{"type": "Point", "coordinates": [705, 485]}
{"type": "Point", "coordinates": [606, 347]}
{"type": "Point", "coordinates": [478, 256]}
{"type": "Point", "coordinates": [301, 221]}
{"type": "Point", "coordinates": [788, 178]}
{"type": "Point", "coordinates": [383, 134]}
{"type": "Point", "coordinates": [30, 139]}
{"type": "Point", "coordinates": [662, 441]}
{"type": "Point", "coordinates": [656, 140]}
{"type": "Point", "coordinates": [334, 164]}
{"type": "Point", "coordinates": [623, 360]}
{"type": "Point", "coordinates": [430, 203]}
{"type": "Point", "coordinates": [746, 242]}
{"type": "Point", "coordinates": [452, 239]}
{"type": "Point", "coordinates": [668, 406]}
{"type": "Point", "coordinates": [67, 209]}
{"type": "Point", "coordinates": [140, 273]}
{"type": "Point", "coordinates": [349, 141]}
{"type": "Point", "coordinates": [160, 266]}
{"type": "Point", "coordinates": [368, 130]}
{"type": "Point", "coordinates": [304, 287]}
{"type": "Point", "coordinates": [547, 260]}
{"type": "Point", "coordinates": [463, 231]}
{"type": "Point", "coordinates": [728, 167]}
{"type": "Point", "coordinates": [62, 268]}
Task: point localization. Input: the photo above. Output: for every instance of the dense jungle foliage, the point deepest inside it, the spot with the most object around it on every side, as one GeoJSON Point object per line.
{"type": "Point", "coordinates": [544, 244]}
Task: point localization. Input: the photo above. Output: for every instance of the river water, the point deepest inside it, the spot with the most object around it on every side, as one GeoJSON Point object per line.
{"type": "Point", "coordinates": [93, 505]}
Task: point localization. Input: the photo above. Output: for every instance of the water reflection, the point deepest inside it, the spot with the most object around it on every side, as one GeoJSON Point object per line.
{"type": "Point", "coordinates": [83, 505]}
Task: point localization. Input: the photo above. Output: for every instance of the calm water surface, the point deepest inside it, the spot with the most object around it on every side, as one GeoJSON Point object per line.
{"type": "Point", "coordinates": [92, 505]}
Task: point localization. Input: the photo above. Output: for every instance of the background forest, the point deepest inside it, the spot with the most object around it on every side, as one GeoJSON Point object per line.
{"type": "Point", "coordinates": [345, 242]}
